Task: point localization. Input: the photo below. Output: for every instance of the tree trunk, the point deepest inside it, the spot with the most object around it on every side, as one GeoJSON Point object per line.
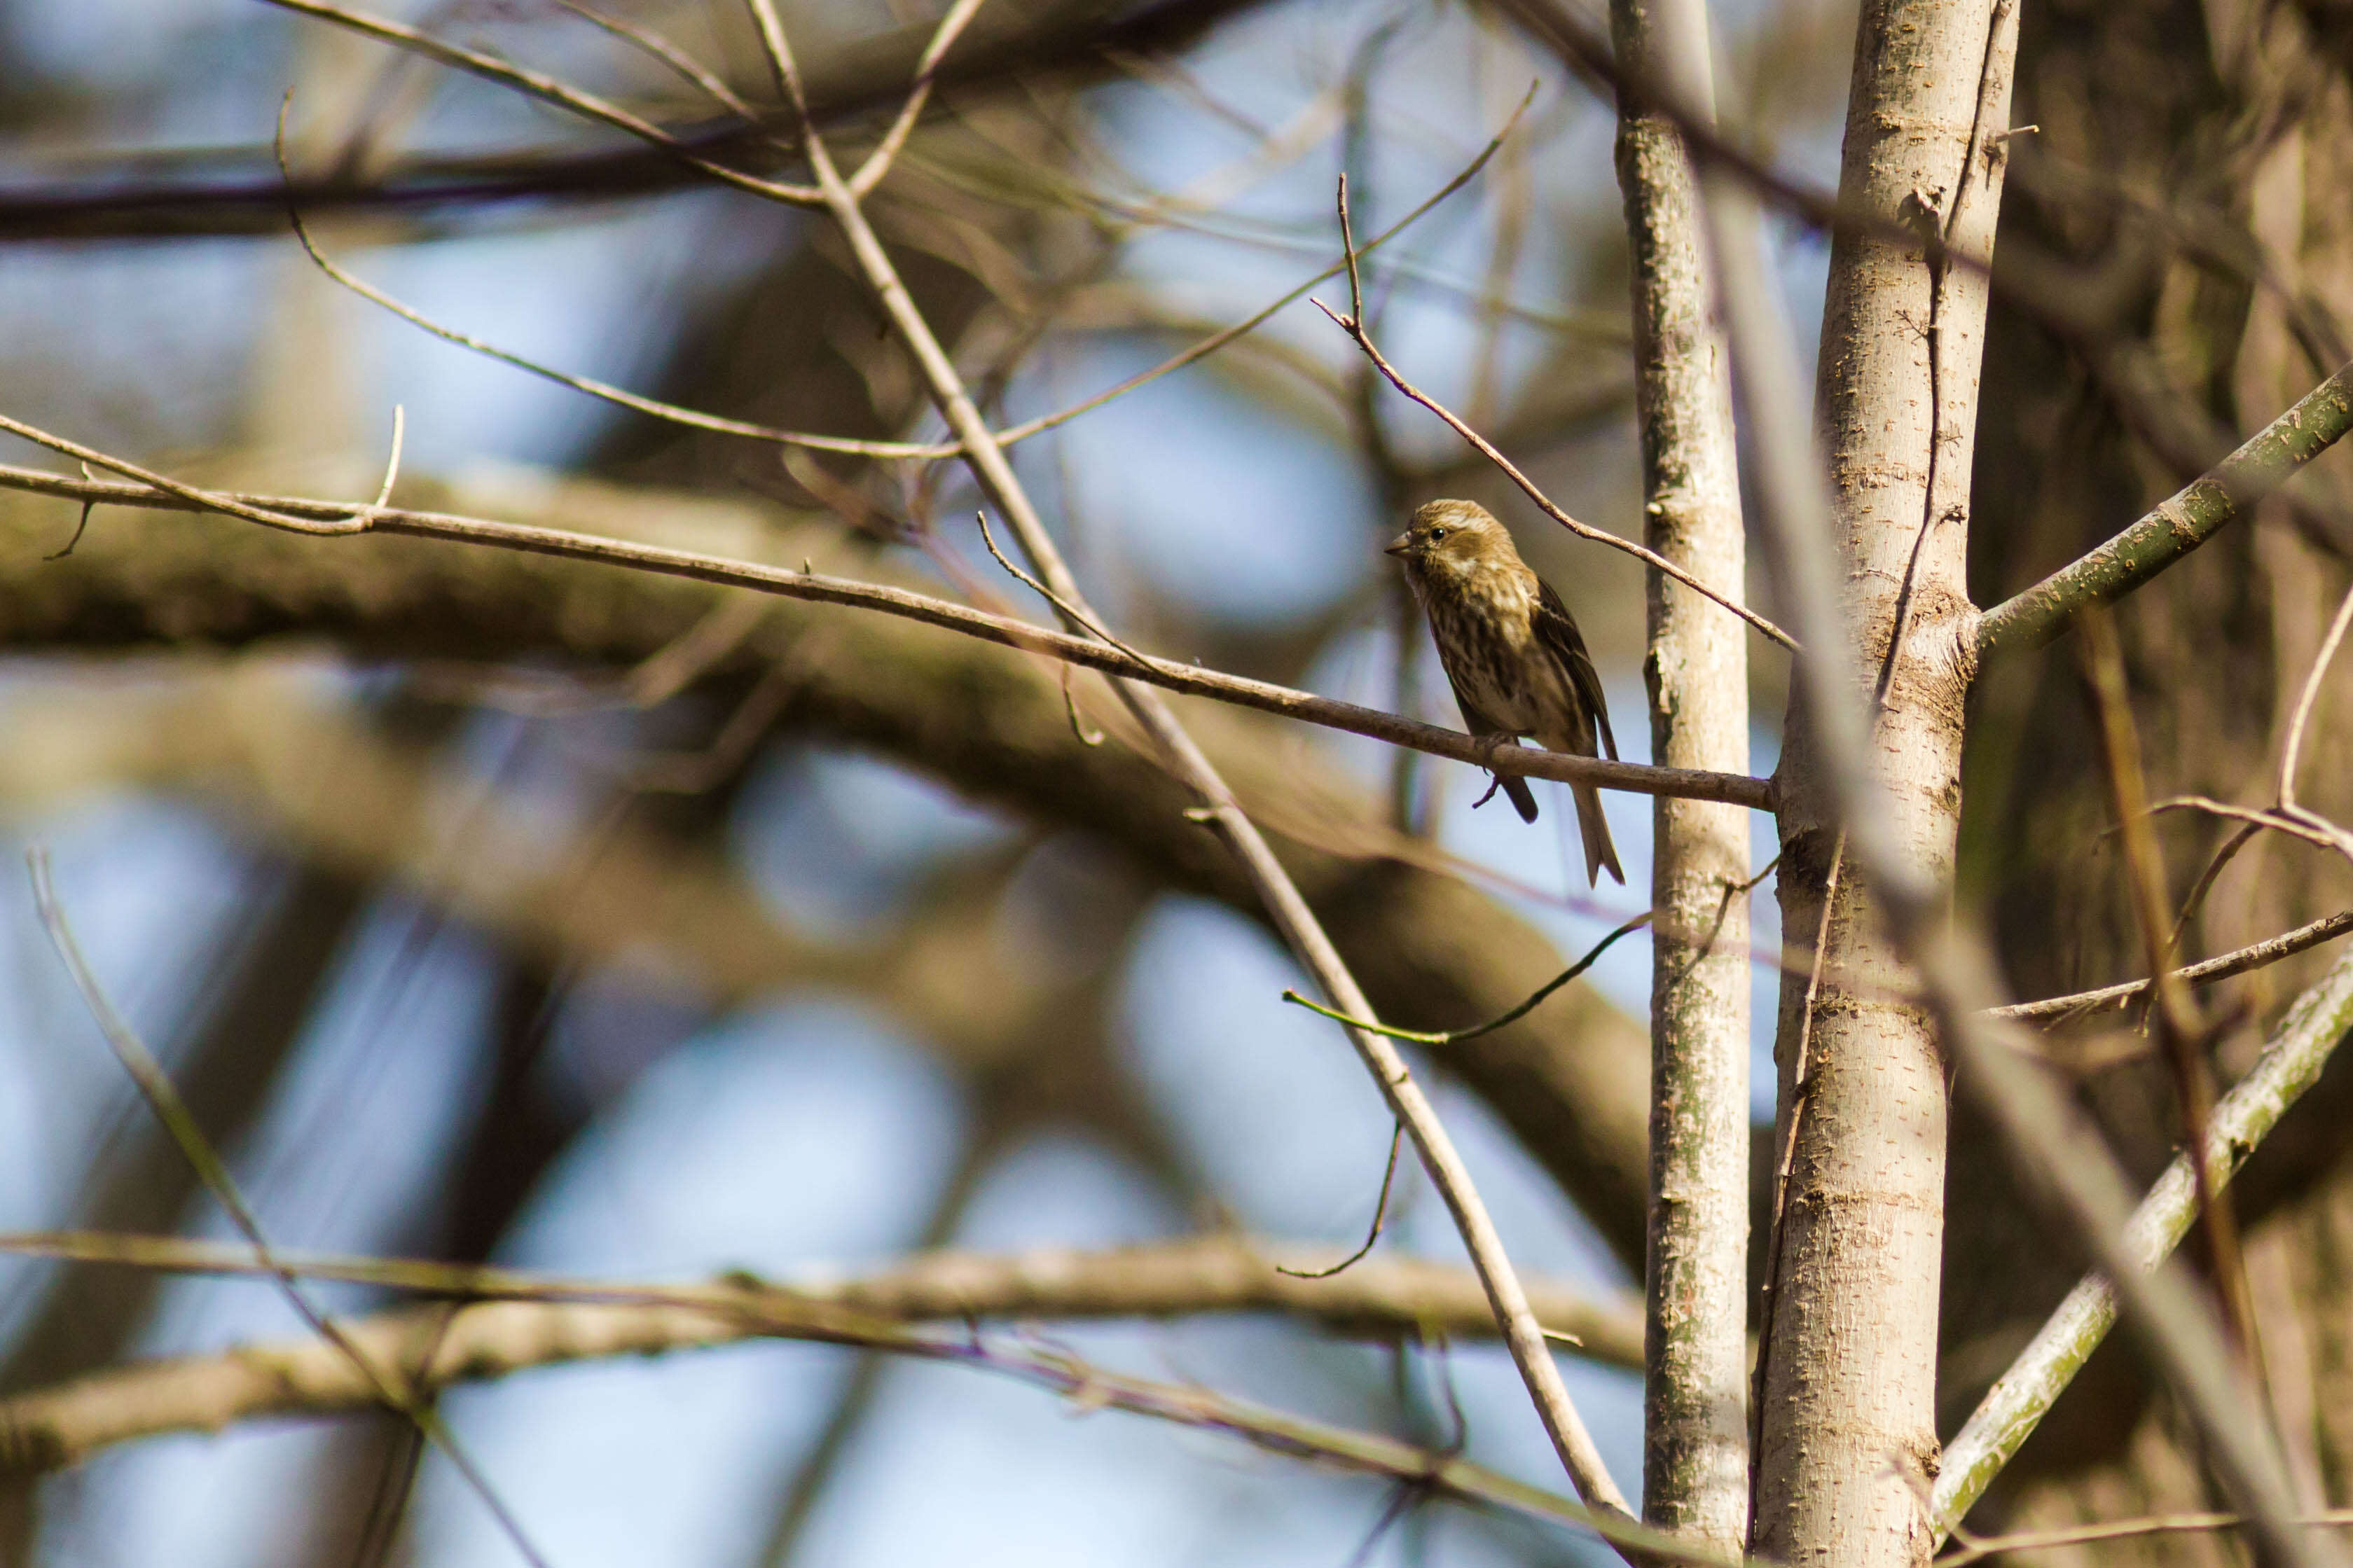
{"type": "Point", "coordinates": [1694, 1405]}
{"type": "Point", "coordinates": [1847, 1438]}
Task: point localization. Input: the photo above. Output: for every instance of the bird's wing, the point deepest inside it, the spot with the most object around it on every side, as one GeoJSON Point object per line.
{"type": "Point", "coordinates": [1473, 720]}
{"type": "Point", "coordinates": [1524, 800]}
{"type": "Point", "coordinates": [1555, 629]}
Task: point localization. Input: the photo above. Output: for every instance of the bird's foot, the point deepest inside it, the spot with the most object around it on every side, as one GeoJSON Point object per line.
{"type": "Point", "coordinates": [1494, 783]}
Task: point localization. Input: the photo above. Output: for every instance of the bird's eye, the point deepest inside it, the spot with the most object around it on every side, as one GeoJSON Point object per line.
{"type": "Point", "coordinates": [1436, 535]}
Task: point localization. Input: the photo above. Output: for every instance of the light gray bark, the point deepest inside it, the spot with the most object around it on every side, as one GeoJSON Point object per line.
{"type": "Point", "coordinates": [1694, 1407]}
{"type": "Point", "coordinates": [1847, 1442]}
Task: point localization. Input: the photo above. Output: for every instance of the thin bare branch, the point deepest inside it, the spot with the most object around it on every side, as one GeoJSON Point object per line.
{"type": "Point", "coordinates": [1289, 911]}
{"type": "Point", "coordinates": [1391, 1295]}
{"type": "Point", "coordinates": [1452, 1037]}
{"type": "Point", "coordinates": [2255, 956]}
{"type": "Point", "coordinates": [392, 463]}
{"type": "Point", "coordinates": [1380, 1217]}
{"type": "Point", "coordinates": [878, 162]}
{"type": "Point", "coordinates": [2292, 750]}
{"type": "Point", "coordinates": [307, 516]}
{"type": "Point", "coordinates": [642, 37]}
{"type": "Point", "coordinates": [2195, 899]}
{"type": "Point", "coordinates": [1978, 1548]}
{"type": "Point", "coordinates": [318, 518]}
{"type": "Point", "coordinates": [547, 90]}
{"type": "Point", "coordinates": [1353, 323]}
{"type": "Point", "coordinates": [1070, 612]}
{"type": "Point", "coordinates": [2253, 815]}
{"type": "Point", "coordinates": [379, 1384]}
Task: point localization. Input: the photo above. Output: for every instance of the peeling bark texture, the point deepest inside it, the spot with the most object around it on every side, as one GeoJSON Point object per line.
{"type": "Point", "coordinates": [1847, 1436]}
{"type": "Point", "coordinates": [1695, 1405]}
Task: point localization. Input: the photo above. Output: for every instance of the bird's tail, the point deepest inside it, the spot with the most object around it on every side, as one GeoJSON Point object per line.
{"type": "Point", "coordinates": [1524, 800]}
{"type": "Point", "coordinates": [1599, 853]}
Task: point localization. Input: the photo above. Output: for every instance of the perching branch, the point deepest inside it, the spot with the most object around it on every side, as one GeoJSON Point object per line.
{"type": "Point", "coordinates": [2178, 525]}
{"type": "Point", "coordinates": [2244, 1117]}
{"type": "Point", "coordinates": [816, 587]}
{"type": "Point", "coordinates": [1353, 323]}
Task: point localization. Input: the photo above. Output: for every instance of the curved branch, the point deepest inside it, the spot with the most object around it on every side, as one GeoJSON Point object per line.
{"type": "Point", "coordinates": [1353, 323]}
{"type": "Point", "coordinates": [2178, 525]}
{"type": "Point", "coordinates": [433, 1347]}
{"type": "Point", "coordinates": [2255, 956]}
{"type": "Point", "coordinates": [1381, 1296]}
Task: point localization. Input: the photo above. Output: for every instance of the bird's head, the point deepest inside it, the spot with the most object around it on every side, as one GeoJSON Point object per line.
{"type": "Point", "coordinates": [1451, 539]}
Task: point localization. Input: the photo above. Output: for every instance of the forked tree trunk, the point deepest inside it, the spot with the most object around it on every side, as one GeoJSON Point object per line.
{"type": "Point", "coordinates": [1695, 1405]}
{"type": "Point", "coordinates": [1847, 1435]}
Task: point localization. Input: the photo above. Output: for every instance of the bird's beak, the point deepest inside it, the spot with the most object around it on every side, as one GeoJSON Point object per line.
{"type": "Point", "coordinates": [1400, 545]}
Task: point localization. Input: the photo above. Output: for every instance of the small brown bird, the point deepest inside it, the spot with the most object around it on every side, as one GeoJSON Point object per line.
{"type": "Point", "coordinates": [1512, 652]}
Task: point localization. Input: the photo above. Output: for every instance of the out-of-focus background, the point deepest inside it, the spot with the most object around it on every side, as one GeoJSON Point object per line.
{"type": "Point", "coordinates": [329, 876]}
{"type": "Point", "coordinates": [487, 909]}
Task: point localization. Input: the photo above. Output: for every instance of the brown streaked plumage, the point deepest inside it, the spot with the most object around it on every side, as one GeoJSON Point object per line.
{"type": "Point", "coordinates": [1512, 652]}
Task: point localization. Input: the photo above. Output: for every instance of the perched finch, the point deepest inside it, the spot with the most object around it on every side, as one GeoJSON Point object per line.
{"type": "Point", "coordinates": [1512, 652]}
